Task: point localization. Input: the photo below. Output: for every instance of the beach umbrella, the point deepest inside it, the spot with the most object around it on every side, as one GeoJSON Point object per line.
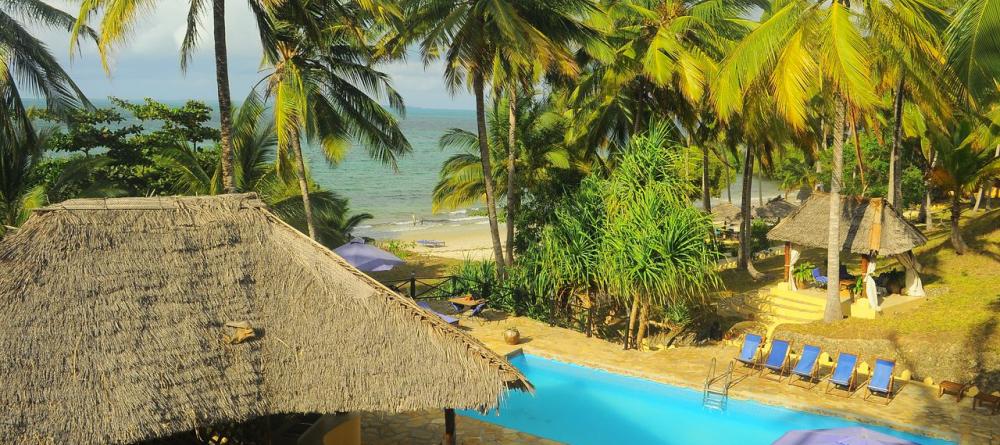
{"type": "Point", "coordinates": [840, 436]}
{"type": "Point", "coordinates": [366, 257]}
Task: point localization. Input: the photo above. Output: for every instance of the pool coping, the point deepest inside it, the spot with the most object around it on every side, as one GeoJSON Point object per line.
{"type": "Point", "coordinates": [906, 428]}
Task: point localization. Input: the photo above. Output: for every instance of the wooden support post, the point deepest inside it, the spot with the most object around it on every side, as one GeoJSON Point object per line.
{"type": "Point", "coordinates": [864, 270]}
{"type": "Point", "coordinates": [788, 259]}
{"type": "Point", "coordinates": [413, 285]}
{"type": "Point", "coordinates": [449, 427]}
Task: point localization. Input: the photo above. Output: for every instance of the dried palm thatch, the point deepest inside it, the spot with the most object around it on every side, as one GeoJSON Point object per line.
{"type": "Point", "coordinates": [775, 209]}
{"type": "Point", "coordinates": [724, 211]}
{"type": "Point", "coordinates": [127, 319]}
{"type": "Point", "coordinates": [867, 226]}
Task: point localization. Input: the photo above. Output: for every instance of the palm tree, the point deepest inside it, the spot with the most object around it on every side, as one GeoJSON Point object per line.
{"type": "Point", "coordinates": [256, 168]}
{"type": "Point", "coordinates": [26, 63]}
{"type": "Point", "coordinates": [18, 156]}
{"type": "Point", "coordinates": [972, 44]}
{"type": "Point", "coordinates": [326, 89]}
{"type": "Point", "coordinates": [961, 165]}
{"type": "Point", "coordinates": [119, 21]}
{"type": "Point", "coordinates": [805, 48]}
{"type": "Point", "coordinates": [472, 35]}
{"type": "Point", "coordinates": [540, 153]}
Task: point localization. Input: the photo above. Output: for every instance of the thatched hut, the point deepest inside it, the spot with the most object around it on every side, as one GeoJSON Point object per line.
{"type": "Point", "coordinates": [135, 318]}
{"type": "Point", "coordinates": [777, 208]}
{"type": "Point", "coordinates": [868, 226]}
{"type": "Point", "coordinates": [725, 211]}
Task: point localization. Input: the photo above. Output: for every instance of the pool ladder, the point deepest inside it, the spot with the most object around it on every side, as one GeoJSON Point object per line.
{"type": "Point", "coordinates": [716, 392]}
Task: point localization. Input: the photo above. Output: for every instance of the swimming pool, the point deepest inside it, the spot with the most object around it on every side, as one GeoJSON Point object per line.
{"type": "Point", "coordinates": [581, 406]}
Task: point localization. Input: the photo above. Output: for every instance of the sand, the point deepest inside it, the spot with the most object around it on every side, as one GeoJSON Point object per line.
{"type": "Point", "coordinates": [470, 241]}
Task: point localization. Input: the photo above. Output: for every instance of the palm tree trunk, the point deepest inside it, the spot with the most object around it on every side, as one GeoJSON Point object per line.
{"type": "Point", "coordinates": [633, 314]}
{"type": "Point", "coordinates": [928, 194]}
{"type": "Point", "coordinates": [833, 311]}
{"type": "Point", "coordinates": [895, 166]}
{"type": "Point", "coordinates": [985, 184]}
{"type": "Point", "coordinates": [512, 198]}
{"type": "Point", "coordinates": [300, 172]}
{"type": "Point", "coordinates": [643, 325]}
{"type": "Point", "coordinates": [225, 101]}
{"type": "Point", "coordinates": [956, 231]}
{"type": "Point", "coordinates": [744, 260]}
{"type": "Point", "coordinates": [706, 194]}
{"type": "Point", "coordinates": [484, 154]}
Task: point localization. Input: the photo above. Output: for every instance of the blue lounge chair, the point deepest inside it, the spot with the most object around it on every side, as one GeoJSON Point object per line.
{"type": "Point", "coordinates": [777, 359]}
{"type": "Point", "coordinates": [882, 380]}
{"type": "Point", "coordinates": [807, 368]}
{"type": "Point", "coordinates": [845, 374]}
{"type": "Point", "coordinates": [820, 279]}
{"type": "Point", "coordinates": [447, 319]}
{"type": "Point", "coordinates": [750, 352]}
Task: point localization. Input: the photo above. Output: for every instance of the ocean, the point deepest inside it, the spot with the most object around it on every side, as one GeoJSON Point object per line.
{"type": "Point", "coordinates": [394, 198]}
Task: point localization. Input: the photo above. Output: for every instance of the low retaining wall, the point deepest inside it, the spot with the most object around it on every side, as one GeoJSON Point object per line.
{"type": "Point", "coordinates": [929, 362]}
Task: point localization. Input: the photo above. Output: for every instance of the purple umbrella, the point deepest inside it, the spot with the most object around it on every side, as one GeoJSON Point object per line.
{"type": "Point", "coordinates": [840, 436]}
{"type": "Point", "coordinates": [367, 258]}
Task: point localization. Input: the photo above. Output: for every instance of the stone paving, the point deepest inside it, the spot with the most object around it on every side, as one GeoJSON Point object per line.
{"type": "Point", "coordinates": [915, 408]}
{"type": "Point", "coordinates": [427, 428]}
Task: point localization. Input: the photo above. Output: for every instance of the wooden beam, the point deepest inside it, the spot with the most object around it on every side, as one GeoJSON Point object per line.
{"type": "Point", "coordinates": [449, 427]}
{"type": "Point", "coordinates": [788, 259]}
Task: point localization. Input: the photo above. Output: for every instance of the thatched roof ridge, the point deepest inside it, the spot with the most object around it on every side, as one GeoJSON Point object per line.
{"type": "Point", "coordinates": [867, 225]}
{"type": "Point", "coordinates": [115, 312]}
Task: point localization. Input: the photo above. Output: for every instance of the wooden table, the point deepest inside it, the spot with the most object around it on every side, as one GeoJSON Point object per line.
{"type": "Point", "coordinates": [986, 400]}
{"type": "Point", "coordinates": [951, 388]}
{"type": "Point", "coordinates": [466, 301]}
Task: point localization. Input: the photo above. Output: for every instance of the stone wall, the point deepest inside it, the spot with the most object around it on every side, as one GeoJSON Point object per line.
{"type": "Point", "coordinates": [964, 363]}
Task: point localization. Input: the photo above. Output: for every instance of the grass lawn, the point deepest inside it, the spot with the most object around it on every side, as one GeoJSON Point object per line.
{"type": "Point", "coordinates": [964, 291]}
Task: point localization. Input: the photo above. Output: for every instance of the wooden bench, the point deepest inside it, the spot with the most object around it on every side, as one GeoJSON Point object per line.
{"type": "Point", "coordinates": [987, 400]}
{"type": "Point", "coordinates": [953, 389]}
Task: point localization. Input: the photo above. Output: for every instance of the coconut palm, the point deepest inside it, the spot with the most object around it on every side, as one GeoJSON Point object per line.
{"type": "Point", "coordinates": [805, 48]}
{"type": "Point", "coordinates": [471, 35]}
{"type": "Point", "coordinates": [961, 165]}
{"type": "Point", "coordinates": [27, 66]}
{"type": "Point", "coordinates": [120, 18]}
{"type": "Point", "coordinates": [18, 156]}
{"type": "Point", "coordinates": [665, 52]}
{"type": "Point", "coordinates": [540, 152]}
{"type": "Point", "coordinates": [257, 169]}
{"type": "Point", "coordinates": [325, 88]}
{"type": "Point", "coordinates": [972, 44]}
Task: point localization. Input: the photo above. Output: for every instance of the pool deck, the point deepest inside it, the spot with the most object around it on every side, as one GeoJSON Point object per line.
{"type": "Point", "coordinates": [915, 408]}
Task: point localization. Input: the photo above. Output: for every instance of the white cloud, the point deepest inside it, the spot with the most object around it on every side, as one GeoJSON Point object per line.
{"type": "Point", "coordinates": [149, 65]}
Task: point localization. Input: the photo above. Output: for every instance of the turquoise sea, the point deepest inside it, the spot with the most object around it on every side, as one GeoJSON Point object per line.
{"type": "Point", "coordinates": [394, 198]}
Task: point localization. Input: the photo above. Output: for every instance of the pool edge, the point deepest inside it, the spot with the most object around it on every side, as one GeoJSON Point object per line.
{"type": "Point", "coordinates": [907, 428]}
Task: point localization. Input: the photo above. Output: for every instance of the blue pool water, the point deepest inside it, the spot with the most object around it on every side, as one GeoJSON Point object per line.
{"type": "Point", "coordinates": [581, 406]}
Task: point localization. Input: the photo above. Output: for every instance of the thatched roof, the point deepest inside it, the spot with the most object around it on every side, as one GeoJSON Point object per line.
{"type": "Point", "coordinates": [725, 210]}
{"type": "Point", "coordinates": [866, 226]}
{"type": "Point", "coordinates": [774, 209]}
{"type": "Point", "coordinates": [115, 312]}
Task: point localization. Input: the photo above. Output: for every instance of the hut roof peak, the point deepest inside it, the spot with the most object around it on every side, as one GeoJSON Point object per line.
{"type": "Point", "coordinates": [868, 225]}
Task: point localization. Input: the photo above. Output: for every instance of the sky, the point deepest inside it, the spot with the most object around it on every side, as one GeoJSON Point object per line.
{"type": "Point", "coordinates": [148, 66]}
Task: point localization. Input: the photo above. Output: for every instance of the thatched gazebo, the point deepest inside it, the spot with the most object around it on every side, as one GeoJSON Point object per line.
{"type": "Point", "coordinates": [868, 226]}
{"type": "Point", "coordinates": [136, 318]}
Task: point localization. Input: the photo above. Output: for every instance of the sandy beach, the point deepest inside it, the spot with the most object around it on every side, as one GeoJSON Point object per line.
{"type": "Point", "coordinates": [467, 241]}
